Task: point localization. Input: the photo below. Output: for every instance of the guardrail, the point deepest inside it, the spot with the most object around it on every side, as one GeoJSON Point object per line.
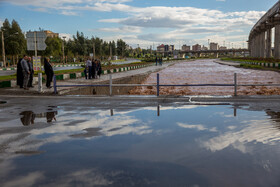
{"type": "Point", "coordinates": [158, 85]}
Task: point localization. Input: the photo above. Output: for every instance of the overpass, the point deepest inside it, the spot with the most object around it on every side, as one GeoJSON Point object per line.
{"type": "Point", "coordinates": [260, 38]}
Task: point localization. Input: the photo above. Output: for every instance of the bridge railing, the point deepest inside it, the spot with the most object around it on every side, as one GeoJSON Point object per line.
{"type": "Point", "coordinates": [158, 85]}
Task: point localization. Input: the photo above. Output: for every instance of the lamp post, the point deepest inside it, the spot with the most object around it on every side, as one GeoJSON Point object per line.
{"type": "Point", "coordinates": [63, 57]}
{"type": "Point", "coordinates": [3, 50]}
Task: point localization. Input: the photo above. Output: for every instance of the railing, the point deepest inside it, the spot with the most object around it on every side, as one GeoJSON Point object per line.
{"type": "Point", "coordinates": [158, 85]}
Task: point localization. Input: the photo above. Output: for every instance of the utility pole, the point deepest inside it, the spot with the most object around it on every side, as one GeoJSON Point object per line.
{"type": "Point", "coordinates": [63, 58]}
{"type": "Point", "coordinates": [3, 50]}
{"type": "Point", "coordinates": [35, 45]}
{"type": "Point", "coordinates": [93, 48]}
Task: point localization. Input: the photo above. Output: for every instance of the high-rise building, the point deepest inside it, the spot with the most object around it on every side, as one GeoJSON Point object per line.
{"type": "Point", "coordinates": [214, 46]}
{"type": "Point", "coordinates": [186, 48]}
{"type": "Point", "coordinates": [196, 47]}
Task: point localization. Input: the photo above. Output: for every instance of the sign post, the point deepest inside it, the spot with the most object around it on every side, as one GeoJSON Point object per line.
{"type": "Point", "coordinates": [36, 42]}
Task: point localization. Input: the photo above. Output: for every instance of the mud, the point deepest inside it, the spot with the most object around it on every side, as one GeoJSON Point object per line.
{"type": "Point", "coordinates": [209, 72]}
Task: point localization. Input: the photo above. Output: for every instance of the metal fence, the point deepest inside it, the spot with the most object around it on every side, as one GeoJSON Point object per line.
{"type": "Point", "coordinates": [158, 85]}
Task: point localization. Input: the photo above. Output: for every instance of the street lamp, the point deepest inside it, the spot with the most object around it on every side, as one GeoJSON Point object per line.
{"type": "Point", "coordinates": [3, 46]}
{"type": "Point", "coordinates": [63, 58]}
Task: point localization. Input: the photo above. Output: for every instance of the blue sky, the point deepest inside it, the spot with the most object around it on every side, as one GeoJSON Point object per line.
{"type": "Point", "coordinates": [143, 22]}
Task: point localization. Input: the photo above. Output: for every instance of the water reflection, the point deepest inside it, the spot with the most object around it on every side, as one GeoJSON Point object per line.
{"type": "Point", "coordinates": [187, 145]}
{"type": "Point", "coordinates": [28, 117]}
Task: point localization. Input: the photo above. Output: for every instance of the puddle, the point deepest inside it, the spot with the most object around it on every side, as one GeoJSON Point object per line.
{"type": "Point", "coordinates": [186, 145]}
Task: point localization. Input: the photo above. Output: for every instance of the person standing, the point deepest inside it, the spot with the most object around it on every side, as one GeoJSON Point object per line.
{"type": "Point", "coordinates": [98, 68]}
{"type": "Point", "coordinates": [19, 74]}
{"type": "Point", "coordinates": [160, 61]}
{"type": "Point", "coordinates": [156, 61]}
{"type": "Point", "coordinates": [48, 71]}
{"type": "Point", "coordinates": [25, 71]}
{"type": "Point", "coordinates": [31, 70]}
{"type": "Point", "coordinates": [93, 69]}
{"type": "Point", "coordinates": [89, 67]}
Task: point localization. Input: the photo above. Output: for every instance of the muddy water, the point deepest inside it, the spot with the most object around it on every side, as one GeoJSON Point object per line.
{"type": "Point", "coordinates": [115, 90]}
{"type": "Point", "coordinates": [209, 72]}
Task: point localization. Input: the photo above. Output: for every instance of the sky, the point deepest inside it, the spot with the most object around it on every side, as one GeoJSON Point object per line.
{"type": "Point", "coordinates": [142, 22]}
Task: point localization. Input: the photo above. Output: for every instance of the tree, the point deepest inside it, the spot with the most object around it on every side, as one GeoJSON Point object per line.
{"type": "Point", "coordinates": [15, 43]}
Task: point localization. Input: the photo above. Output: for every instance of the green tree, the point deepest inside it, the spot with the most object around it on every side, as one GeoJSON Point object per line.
{"type": "Point", "coordinates": [15, 42]}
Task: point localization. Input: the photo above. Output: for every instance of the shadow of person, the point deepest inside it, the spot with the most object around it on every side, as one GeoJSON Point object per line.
{"type": "Point", "coordinates": [27, 118]}
{"type": "Point", "coordinates": [51, 116]}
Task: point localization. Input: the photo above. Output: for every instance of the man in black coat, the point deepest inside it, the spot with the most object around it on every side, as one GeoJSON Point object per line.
{"type": "Point", "coordinates": [30, 65]}
{"type": "Point", "coordinates": [19, 74]}
{"type": "Point", "coordinates": [48, 71]}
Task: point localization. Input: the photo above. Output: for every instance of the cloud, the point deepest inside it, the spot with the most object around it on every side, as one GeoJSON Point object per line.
{"type": "Point", "coordinates": [197, 127]}
{"type": "Point", "coordinates": [256, 131]}
{"type": "Point", "coordinates": [124, 29]}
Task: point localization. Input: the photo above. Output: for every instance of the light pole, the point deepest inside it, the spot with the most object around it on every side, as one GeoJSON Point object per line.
{"type": "Point", "coordinates": [3, 50]}
{"type": "Point", "coordinates": [63, 57]}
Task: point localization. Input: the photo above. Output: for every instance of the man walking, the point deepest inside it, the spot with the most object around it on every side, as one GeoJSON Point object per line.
{"type": "Point", "coordinates": [25, 71]}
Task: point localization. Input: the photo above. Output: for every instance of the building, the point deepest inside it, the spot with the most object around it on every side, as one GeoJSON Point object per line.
{"type": "Point", "coordinates": [161, 48]}
{"type": "Point", "coordinates": [172, 47]}
{"type": "Point", "coordinates": [223, 48]}
{"type": "Point", "coordinates": [204, 48]}
{"type": "Point", "coordinates": [214, 46]}
{"type": "Point", "coordinates": [186, 48]}
{"type": "Point", "coordinates": [51, 34]}
{"type": "Point", "coordinates": [196, 47]}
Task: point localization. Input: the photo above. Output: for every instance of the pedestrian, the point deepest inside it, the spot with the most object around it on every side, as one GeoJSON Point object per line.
{"type": "Point", "coordinates": [19, 74]}
{"type": "Point", "coordinates": [31, 70]}
{"type": "Point", "coordinates": [25, 71]}
{"type": "Point", "coordinates": [160, 61]}
{"type": "Point", "coordinates": [94, 69]}
{"type": "Point", "coordinates": [98, 68]}
{"type": "Point", "coordinates": [48, 71]}
{"type": "Point", "coordinates": [89, 67]}
{"type": "Point", "coordinates": [156, 61]}
{"type": "Point", "coordinates": [86, 71]}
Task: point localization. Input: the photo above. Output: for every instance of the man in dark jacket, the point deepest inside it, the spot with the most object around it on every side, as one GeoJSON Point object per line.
{"type": "Point", "coordinates": [30, 65]}
{"type": "Point", "coordinates": [25, 71]}
{"type": "Point", "coordinates": [48, 71]}
{"type": "Point", "coordinates": [19, 74]}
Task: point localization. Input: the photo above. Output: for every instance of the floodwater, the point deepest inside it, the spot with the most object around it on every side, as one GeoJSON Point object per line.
{"type": "Point", "coordinates": [209, 72]}
{"type": "Point", "coordinates": [157, 146]}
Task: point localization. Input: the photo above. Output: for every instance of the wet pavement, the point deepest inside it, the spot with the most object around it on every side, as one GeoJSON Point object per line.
{"type": "Point", "coordinates": [210, 72]}
{"type": "Point", "coordinates": [85, 141]}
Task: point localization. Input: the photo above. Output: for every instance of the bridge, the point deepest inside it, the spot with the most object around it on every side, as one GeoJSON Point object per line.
{"type": "Point", "coordinates": [260, 38]}
{"type": "Point", "coordinates": [215, 52]}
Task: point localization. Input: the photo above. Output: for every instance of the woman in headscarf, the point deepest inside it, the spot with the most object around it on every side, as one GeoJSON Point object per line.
{"type": "Point", "coordinates": [48, 71]}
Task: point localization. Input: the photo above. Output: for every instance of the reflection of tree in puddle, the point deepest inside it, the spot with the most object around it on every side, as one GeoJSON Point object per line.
{"type": "Point", "coordinates": [28, 117]}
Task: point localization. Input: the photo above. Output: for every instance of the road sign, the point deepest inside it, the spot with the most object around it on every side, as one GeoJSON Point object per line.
{"type": "Point", "coordinates": [39, 37]}
{"type": "Point", "coordinates": [37, 63]}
